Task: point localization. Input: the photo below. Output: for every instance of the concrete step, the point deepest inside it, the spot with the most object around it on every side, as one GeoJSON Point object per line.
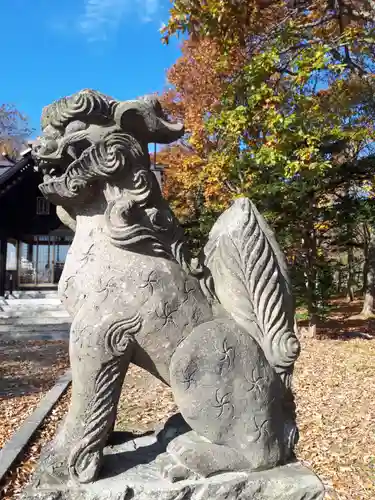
{"type": "Point", "coordinates": [26, 315]}
{"type": "Point", "coordinates": [35, 320]}
{"type": "Point", "coordinates": [34, 328]}
{"type": "Point", "coordinates": [30, 303]}
{"type": "Point", "coordinates": [31, 311]}
{"type": "Point", "coordinates": [40, 334]}
{"type": "Point", "coordinates": [26, 308]}
{"type": "Point", "coordinates": [32, 294]}
{"type": "Point", "coordinates": [23, 311]}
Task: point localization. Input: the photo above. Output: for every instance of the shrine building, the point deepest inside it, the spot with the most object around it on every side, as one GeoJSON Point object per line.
{"type": "Point", "coordinates": [33, 241]}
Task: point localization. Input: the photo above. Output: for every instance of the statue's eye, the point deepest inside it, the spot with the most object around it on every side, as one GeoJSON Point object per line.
{"type": "Point", "coordinates": [49, 146]}
{"type": "Point", "coordinates": [75, 126]}
{"type": "Point", "coordinates": [51, 132]}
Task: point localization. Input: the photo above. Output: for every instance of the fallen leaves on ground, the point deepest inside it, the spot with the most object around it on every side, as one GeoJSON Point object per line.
{"type": "Point", "coordinates": [21, 472]}
{"type": "Point", "coordinates": [28, 369]}
{"type": "Point", "coordinates": [144, 401]}
{"type": "Point", "coordinates": [336, 414]}
{"type": "Point", "coordinates": [334, 383]}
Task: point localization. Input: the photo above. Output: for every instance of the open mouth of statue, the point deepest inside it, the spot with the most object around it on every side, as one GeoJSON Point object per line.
{"type": "Point", "coordinates": [50, 172]}
{"type": "Point", "coordinates": [55, 160]}
{"type": "Point", "coordinates": [53, 168]}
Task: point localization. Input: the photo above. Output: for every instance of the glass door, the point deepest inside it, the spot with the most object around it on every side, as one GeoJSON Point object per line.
{"type": "Point", "coordinates": [44, 264]}
{"type": "Point", "coordinates": [27, 262]}
{"type": "Point", "coordinates": [35, 262]}
{"type": "Point", "coordinates": [61, 248]}
{"type": "Point", "coordinates": [41, 260]}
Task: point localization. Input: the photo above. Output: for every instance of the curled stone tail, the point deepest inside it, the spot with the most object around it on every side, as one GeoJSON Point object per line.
{"type": "Point", "coordinates": [252, 283]}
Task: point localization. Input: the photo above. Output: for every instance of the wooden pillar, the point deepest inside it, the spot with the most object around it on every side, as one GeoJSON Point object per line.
{"type": "Point", "coordinates": [3, 264]}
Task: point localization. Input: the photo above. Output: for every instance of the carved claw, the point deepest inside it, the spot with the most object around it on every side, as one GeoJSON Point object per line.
{"type": "Point", "coordinates": [88, 470]}
{"type": "Point", "coordinates": [51, 479]}
{"type": "Point", "coordinates": [174, 471]}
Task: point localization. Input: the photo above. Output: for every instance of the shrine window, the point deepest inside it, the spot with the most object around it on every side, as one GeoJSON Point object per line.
{"type": "Point", "coordinates": [42, 206]}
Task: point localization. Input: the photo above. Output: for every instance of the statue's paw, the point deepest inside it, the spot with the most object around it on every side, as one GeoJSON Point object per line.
{"type": "Point", "coordinates": [176, 448]}
{"type": "Point", "coordinates": [291, 437]}
{"type": "Point", "coordinates": [203, 458]}
{"type": "Point", "coordinates": [85, 468]}
{"type": "Point", "coordinates": [174, 471]}
{"type": "Point", "coordinates": [178, 472]}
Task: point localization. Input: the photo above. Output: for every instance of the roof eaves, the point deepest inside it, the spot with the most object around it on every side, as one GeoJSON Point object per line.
{"type": "Point", "coordinates": [22, 164]}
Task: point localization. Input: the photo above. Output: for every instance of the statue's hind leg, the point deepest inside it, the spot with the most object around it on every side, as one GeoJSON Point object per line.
{"type": "Point", "coordinates": [229, 395]}
{"type": "Point", "coordinates": [98, 370]}
{"type": "Point", "coordinates": [192, 456]}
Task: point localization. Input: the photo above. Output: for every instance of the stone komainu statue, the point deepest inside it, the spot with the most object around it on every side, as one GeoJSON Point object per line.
{"type": "Point", "coordinates": [221, 336]}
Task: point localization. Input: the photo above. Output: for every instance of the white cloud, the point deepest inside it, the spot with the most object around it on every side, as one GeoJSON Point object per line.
{"type": "Point", "coordinates": [148, 9]}
{"type": "Point", "coordinates": [102, 18]}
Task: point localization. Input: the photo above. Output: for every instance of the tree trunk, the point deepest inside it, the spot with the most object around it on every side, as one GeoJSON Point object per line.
{"type": "Point", "coordinates": [339, 281]}
{"type": "Point", "coordinates": [313, 323]}
{"type": "Point", "coordinates": [310, 282]}
{"type": "Point", "coordinates": [296, 329]}
{"type": "Point", "coordinates": [3, 262]}
{"type": "Point", "coordinates": [350, 286]}
{"type": "Point", "coordinates": [365, 269]}
{"type": "Point", "coordinates": [369, 291]}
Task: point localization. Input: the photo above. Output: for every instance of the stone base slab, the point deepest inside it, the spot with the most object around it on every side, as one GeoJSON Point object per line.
{"type": "Point", "coordinates": [131, 472]}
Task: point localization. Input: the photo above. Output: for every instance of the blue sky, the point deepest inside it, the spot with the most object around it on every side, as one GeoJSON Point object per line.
{"type": "Point", "coordinates": [52, 49]}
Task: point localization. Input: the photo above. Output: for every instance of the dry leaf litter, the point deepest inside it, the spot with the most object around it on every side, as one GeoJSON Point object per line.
{"type": "Point", "coordinates": [28, 369]}
{"type": "Point", "coordinates": [334, 385]}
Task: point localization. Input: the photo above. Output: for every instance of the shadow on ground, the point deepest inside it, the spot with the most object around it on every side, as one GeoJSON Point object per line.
{"type": "Point", "coordinates": [28, 367]}
{"type": "Point", "coordinates": [343, 322]}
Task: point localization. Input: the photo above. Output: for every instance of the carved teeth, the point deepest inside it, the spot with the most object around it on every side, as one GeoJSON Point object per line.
{"type": "Point", "coordinates": [72, 152]}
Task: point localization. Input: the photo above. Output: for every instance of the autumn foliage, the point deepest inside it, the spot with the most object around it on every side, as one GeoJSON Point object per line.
{"type": "Point", "coordinates": [277, 98]}
{"type": "Point", "coordinates": [284, 81]}
{"type": "Point", "coordinates": [198, 79]}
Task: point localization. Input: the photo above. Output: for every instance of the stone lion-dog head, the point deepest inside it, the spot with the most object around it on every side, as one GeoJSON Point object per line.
{"type": "Point", "coordinates": [91, 140]}
{"type": "Point", "coordinates": [88, 137]}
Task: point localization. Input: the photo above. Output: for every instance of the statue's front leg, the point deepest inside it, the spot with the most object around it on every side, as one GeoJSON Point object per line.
{"type": "Point", "coordinates": [100, 353]}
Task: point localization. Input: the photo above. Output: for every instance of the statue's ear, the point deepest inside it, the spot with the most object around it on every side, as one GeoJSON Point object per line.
{"type": "Point", "coordinates": [130, 116]}
{"type": "Point", "coordinates": [144, 119]}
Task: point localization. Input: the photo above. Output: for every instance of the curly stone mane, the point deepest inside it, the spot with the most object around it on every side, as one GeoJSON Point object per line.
{"type": "Point", "coordinates": [110, 140]}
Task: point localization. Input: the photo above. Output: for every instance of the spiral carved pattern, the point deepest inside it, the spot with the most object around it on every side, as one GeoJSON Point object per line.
{"type": "Point", "coordinates": [84, 103]}
{"type": "Point", "coordinates": [125, 233]}
{"type": "Point", "coordinates": [120, 334]}
{"type": "Point", "coordinates": [102, 160]}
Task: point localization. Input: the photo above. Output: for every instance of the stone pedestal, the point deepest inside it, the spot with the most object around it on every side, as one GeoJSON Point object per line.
{"type": "Point", "coordinates": [131, 471]}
